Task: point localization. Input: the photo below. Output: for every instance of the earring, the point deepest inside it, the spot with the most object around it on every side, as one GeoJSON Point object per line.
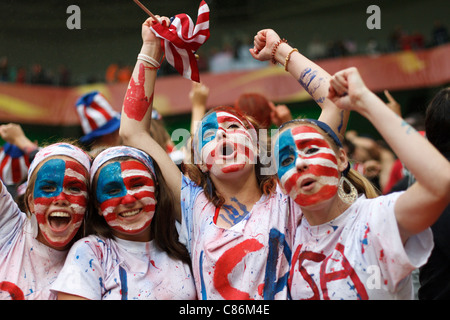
{"type": "Point", "coordinates": [349, 197]}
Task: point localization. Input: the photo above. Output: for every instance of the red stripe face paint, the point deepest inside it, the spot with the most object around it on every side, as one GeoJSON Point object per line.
{"type": "Point", "coordinates": [126, 195]}
{"type": "Point", "coordinates": [225, 144]}
{"type": "Point", "coordinates": [60, 198]}
{"type": "Point", "coordinates": [136, 102]}
{"type": "Point", "coordinates": [307, 166]}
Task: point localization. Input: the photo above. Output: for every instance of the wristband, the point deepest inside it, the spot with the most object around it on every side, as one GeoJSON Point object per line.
{"type": "Point", "coordinates": [149, 60]}
{"type": "Point", "coordinates": [288, 57]}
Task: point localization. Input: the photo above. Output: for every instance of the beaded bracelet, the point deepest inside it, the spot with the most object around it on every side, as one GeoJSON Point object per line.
{"type": "Point", "coordinates": [288, 57]}
{"type": "Point", "coordinates": [274, 50]}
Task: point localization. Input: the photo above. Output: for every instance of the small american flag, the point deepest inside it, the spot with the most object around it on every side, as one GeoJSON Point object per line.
{"type": "Point", "coordinates": [182, 39]}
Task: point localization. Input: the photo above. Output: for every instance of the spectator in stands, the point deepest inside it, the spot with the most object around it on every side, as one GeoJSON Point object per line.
{"type": "Point", "coordinates": [132, 242]}
{"type": "Point", "coordinates": [99, 121]}
{"type": "Point", "coordinates": [214, 203]}
{"type": "Point", "coordinates": [343, 235]}
{"type": "Point", "coordinates": [265, 112]}
{"type": "Point", "coordinates": [15, 156]}
{"type": "Point", "coordinates": [34, 243]}
{"type": "Point", "coordinates": [4, 70]}
{"type": "Point", "coordinates": [434, 276]}
{"type": "Point", "coordinates": [439, 34]}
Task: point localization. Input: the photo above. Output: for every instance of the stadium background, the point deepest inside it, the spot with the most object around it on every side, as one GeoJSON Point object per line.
{"type": "Point", "coordinates": [35, 31]}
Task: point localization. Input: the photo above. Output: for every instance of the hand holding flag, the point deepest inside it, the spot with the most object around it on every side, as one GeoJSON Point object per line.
{"type": "Point", "coordinates": [182, 39]}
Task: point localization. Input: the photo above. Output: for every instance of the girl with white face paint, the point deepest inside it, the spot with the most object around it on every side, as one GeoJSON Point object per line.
{"type": "Point", "coordinates": [350, 243]}
{"type": "Point", "coordinates": [133, 251]}
{"type": "Point", "coordinates": [33, 249]}
{"type": "Point", "coordinates": [234, 218]}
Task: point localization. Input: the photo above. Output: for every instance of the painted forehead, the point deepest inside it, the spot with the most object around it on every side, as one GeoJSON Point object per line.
{"type": "Point", "coordinates": [59, 172]}
{"type": "Point", "coordinates": [120, 174]}
{"type": "Point", "coordinates": [124, 168]}
{"type": "Point", "coordinates": [300, 136]}
{"type": "Point", "coordinates": [62, 163]}
{"type": "Point", "coordinates": [212, 122]}
{"type": "Point", "coordinates": [214, 119]}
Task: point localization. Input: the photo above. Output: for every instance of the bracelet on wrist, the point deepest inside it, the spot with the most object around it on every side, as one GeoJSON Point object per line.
{"type": "Point", "coordinates": [274, 50]}
{"type": "Point", "coordinates": [149, 60]}
{"type": "Point", "coordinates": [288, 57]}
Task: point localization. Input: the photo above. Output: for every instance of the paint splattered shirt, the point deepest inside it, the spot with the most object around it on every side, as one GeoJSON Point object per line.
{"type": "Point", "coordinates": [27, 267]}
{"type": "Point", "coordinates": [117, 269]}
{"type": "Point", "coordinates": [358, 255]}
{"type": "Point", "coordinates": [250, 260]}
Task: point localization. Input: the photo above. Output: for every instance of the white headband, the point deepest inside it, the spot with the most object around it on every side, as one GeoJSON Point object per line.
{"type": "Point", "coordinates": [121, 151]}
{"type": "Point", "coordinates": [60, 149]}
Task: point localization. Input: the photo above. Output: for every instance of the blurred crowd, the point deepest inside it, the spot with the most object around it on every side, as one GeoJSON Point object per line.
{"type": "Point", "coordinates": [233, 55]}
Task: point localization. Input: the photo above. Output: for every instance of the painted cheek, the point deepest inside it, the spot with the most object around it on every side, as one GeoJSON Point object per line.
{"type": "Point", "coordinates": [146, 192]}
{"type": "Point", "coordinates": [109, 179]}
{"type": "Point", "coordinates": [75, 189]}
{"type": "Point", "coordinates": [122, 176]}
{"type": "Point", "coordinates": [284, 148]}
{"type": "Point", "coordinates": [207, 131]}
{"type": "Point", "coordinates": [68, 181]}
{"type": "Point", "coordinates": [321, 165]}
{"type": "Point", "coordinates": [50, 175]}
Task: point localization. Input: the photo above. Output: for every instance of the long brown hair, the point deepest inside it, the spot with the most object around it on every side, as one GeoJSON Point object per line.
{"type": "Point", "coordinates": [267, 183]}
{"type": "Point", "coordinates": [162, 228]}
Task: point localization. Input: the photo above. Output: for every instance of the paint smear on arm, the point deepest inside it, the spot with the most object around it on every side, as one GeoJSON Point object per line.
{"type": "Point", "coordinates": [136, 102]}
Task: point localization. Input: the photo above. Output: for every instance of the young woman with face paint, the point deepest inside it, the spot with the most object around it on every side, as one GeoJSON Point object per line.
{"type": "Point", "coordinates": [33, 249]}
{"type": "Point", "coordinates": [351, 246]}
{"type": "Point", "coordinates": [234, 217]}
{"type": "Point", "coordinates": [133, 251]}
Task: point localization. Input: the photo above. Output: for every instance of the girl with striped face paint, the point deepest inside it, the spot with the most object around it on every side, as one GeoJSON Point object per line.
{"type": "Point", "coordinates": [352, 243]}
{"type": "Point", "coordinates": [133, 250]}
{"type": "Point", "coordinates": [225, 143]}
{"type": "Point", "coordinates": [307, 165]}
{"type": "Point", "coordinates": [125, 192]}
{"type": "Point", "coordinates": [33, 250]}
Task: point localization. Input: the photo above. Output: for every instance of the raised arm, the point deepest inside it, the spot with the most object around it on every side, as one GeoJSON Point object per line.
{"type": "Point", "coordinates": [421, 204]}
{"type": "Point", "coordinates": [198, 96]}
{"type": "Point", "coordinates": [269, 46]}
{"type": "Point", "coordinates": [137, 107]}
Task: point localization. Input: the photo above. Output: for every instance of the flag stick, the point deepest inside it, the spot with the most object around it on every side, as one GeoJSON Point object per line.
{"type": "Point", "coordinates": [146, 10]}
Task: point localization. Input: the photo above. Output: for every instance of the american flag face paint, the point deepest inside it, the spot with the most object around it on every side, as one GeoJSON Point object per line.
{"type": "Point", "coordinates": [60, 198]}
{"type": "Point", "coordinates": [224, 144]}
{"type": "Point", "coordinates": [126, 196]}
{"type": "Point", "coordinates": [307, 166]}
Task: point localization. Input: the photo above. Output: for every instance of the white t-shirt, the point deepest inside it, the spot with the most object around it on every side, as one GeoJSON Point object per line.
{"type": "Point", "coordinates": [27, 267]}
{"type": "Point", "coordinates": [117, 269]}
{"type": "Point", "coordinates": [250, 260]}
{"type": "Point", "coordinates": [358, 255]}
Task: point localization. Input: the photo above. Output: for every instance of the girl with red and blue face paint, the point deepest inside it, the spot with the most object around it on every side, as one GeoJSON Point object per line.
{"type": "Point", "coordinates": [33, 249]}
{"type": "Point", "coordinates": [235, 220]}
{"type": "Point", "coordinates": [133, 251]}
{"type": "Point", "coordinates": [351, 243]}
